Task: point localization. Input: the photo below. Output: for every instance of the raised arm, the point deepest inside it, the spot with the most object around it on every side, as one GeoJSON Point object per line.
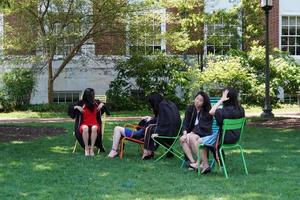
{"type": "Point", "coordinates": [220, 102]}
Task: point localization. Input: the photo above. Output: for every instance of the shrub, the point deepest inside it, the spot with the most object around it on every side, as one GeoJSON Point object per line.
{"type": "Point", "coordinates": [19, 84]}
{"type": "Point", "coordinates": [6, 104]}
{"type": "Point", "coordinates": [50, 107]}
{"type": "Point", "coordinates": [146, 74]}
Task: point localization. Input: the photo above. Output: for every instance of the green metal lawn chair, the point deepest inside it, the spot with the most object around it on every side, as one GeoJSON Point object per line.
{"type": "Point", "coordinates": [229, 124]}
{"type": "Point", "coordinates": [232, 124]}
{"type": "Point", "coordinates": [169, 148]}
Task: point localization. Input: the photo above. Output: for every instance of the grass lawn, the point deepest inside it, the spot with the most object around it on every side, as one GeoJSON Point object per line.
{"type": "Point", "coordinates": [45, 168]}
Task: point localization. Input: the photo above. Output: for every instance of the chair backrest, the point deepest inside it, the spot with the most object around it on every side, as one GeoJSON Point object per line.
{"type": "Point", "coordinates": [213, 101]}
{"type": "Point", "coordinates": [233, 124]}
{"type": "Point", "coordinates": [101, 97]}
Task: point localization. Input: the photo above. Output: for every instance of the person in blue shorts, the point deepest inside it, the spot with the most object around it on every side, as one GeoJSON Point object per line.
{"type": "Point", "coordinates": [126, 132]}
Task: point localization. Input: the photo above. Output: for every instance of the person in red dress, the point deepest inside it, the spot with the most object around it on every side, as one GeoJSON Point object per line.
{"type": "Point", "coordinates": [89, 110]}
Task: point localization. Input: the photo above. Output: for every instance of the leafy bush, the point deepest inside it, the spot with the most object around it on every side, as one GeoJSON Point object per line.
{"type": "Point", "coordinates": [160, 73]}
{"type": "Point", "coordinates": [52, 107]}
{"type": "Point", "coordinates": [6, 104]}
{"type": "Point", "coordinates": [18, 85]}
{"type": "Point", "coordinates": [222, 71]}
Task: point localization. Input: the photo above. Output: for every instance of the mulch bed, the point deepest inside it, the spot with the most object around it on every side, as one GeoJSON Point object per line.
{"type": "Point", "coordinates": [25, 133]}
{"type": "Point", "coordinates": [277, 123]}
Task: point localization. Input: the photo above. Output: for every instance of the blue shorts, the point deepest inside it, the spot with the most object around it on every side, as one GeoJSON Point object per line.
{"type": "Point", "coordinates": [130, 133]}
{"type": "Point", "coordinates": [210, 140]}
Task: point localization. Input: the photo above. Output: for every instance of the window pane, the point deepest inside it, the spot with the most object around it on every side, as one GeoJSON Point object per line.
{"type": "Point", "coordinates": [69, 97]}
{"type": "Point", "coordinates": [298, 51]}
{"type": "Point", "coordinates": [298, 20]}
{"type": "Point", "coordinates": [55, 97]}
{"type": "Point", "coordinates": [298, 30]}
{"type": "Point", "coordinates": [292, 41]}
{"type": "Point", "coordinates": [61, 97]}
{"type": "Point", "coordinates": [76, 97]}
{"type": "Point", "coordinates": [292, 21]}
{"type": "Point", "coordinates": [284, 48]}
{"type": "Point", "coordinates": [292, 30]}
{"type": "Point", "coordinates": [292, 50]}
{"type": "Point", "coordinates": [298, 41]}
{"type": "Point", "coordinates": [285, 20]}
{"type": "Point", "coordinates": [284, 41]}
{"type": "Point", "coordinates": [285, 30]}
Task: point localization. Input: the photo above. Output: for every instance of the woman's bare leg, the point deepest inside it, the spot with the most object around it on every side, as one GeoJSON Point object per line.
{"type": "Point", "coordinates": [186, 148]}
{"type": "Point", "coordinates": [118, 132]}
{"type": "Point", "coordinates": [85, 137]}
{"type": "Point", "coordinates": [93, 139]}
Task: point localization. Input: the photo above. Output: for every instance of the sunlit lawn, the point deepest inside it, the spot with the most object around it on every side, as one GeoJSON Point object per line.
{"type": "Point", "coordinates": [46, 169]}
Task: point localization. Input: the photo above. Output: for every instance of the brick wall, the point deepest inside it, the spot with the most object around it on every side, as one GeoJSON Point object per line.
{"type": "Point", "coordinates": [274, 24]}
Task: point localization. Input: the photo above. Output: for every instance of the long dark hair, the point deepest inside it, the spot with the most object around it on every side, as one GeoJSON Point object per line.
{"type": "Point", "coordinates": [154, 99]}
{"type": "Point", "coordinates": [88, 98]}
{"type": "Point", "coordinates": [233, 98]}
{"type": "Point", "coordinates": [206, 101]}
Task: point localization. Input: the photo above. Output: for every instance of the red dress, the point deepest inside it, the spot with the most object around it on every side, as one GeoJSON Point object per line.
{"type": "Point", "coordinates": [89, 118]}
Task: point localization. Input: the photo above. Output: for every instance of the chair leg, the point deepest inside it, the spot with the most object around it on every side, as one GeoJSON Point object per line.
{"type": "Point", "coordinates": [121, 148]}
{"type": "Point", "coordinates": [222, 159]}
{"type": "Point", "coordinates": [244, 161]}
{"type": "Point", "coordinates": [75, 145]}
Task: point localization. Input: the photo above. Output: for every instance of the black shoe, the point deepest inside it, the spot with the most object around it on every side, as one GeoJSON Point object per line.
{"type": "Point", "coordinates": [102, 149]}
{"type": "Point", "coordinates": [148, 157]}
{"type": "Point", "coordinates": [206, 171]}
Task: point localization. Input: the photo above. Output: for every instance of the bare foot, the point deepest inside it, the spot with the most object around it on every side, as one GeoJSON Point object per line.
{"type": "Point", "coordinates": [113, 153]}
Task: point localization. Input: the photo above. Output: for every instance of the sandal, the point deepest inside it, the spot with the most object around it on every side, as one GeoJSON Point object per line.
{"type": "Point", "coordinates": [206, 170]}
{"type": "Point", "coordinates": [192, 168]}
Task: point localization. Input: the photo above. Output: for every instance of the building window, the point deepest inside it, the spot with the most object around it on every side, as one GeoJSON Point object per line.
{"type": "Point", "coordinates": [144, 37]}
{"type": "Point", "coordinates": [66, 96]}
{"type": "Point", "coordinates": [219, 39]}
{"type": "Point", "coordinates": [290, 35]}
{"type": "Point", "coordinates": [67, 38]}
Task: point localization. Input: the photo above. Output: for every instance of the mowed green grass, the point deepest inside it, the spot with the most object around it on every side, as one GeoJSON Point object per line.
{"type": "Point", "coordinates": [45, 168]}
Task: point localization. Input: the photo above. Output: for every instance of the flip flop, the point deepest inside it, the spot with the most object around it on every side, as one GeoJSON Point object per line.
{"type": "Point", "coordinates": [206, 170]}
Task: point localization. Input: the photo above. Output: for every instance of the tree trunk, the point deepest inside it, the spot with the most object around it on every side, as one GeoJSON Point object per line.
{"type": "Point", "coordinates": [50, 81]}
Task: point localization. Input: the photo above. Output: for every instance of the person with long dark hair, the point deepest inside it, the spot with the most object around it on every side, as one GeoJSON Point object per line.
{"type": "Point", "coordinates": [168, 122]}
{"type": "Point", "coordinates": [88, 113]}
{"type": "Point", "coordinates": [197, 129]}
{"type": "Point", "coordinates": [231, 110]}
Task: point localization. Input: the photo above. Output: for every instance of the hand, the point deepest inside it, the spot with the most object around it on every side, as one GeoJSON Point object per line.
{"type": "Point", "coordinates": [154, 135]}
{"type": "Point", "coordinates": [224, 96]}
{"type": "Point", "coordinates": [100, 106]}
{"type": "Point", "coordinates": [147, 118]}
{"type": "Point", "coordinates": [79, 108]}
{"type": "Point", "coordinates": [183, 138]}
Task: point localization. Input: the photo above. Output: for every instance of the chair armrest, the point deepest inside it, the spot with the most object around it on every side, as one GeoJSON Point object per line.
{"type": "Point", "coordinates": [133, 126]}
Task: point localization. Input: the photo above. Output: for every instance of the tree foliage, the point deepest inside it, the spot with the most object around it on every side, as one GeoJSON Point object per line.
{"type": "Point", "coordinates": [160, 73]}
{"type": "Point", "coordinates": [55, 23]}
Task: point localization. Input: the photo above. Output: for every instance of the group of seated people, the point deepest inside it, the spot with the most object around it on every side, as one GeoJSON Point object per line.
{"type": "Point", "coordinates": [196, 127]}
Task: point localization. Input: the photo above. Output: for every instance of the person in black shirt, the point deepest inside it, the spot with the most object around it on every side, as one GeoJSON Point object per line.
{"type": "Point", "coordinates": [167, 123]}
{"type": "Point", "coordinates": [197, 126]}
{"type": "Point", "coordinates": [231, 110]}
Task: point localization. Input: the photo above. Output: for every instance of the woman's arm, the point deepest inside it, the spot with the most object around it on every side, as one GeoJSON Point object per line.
{"type": "Point", "coordinates": [220, 102]}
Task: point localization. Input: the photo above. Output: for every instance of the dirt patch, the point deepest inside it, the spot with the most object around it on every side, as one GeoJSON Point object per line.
{"type": "Point", "coordinates": [25, 133]}
{"type": "Point", "coordinates": [277, 123]}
